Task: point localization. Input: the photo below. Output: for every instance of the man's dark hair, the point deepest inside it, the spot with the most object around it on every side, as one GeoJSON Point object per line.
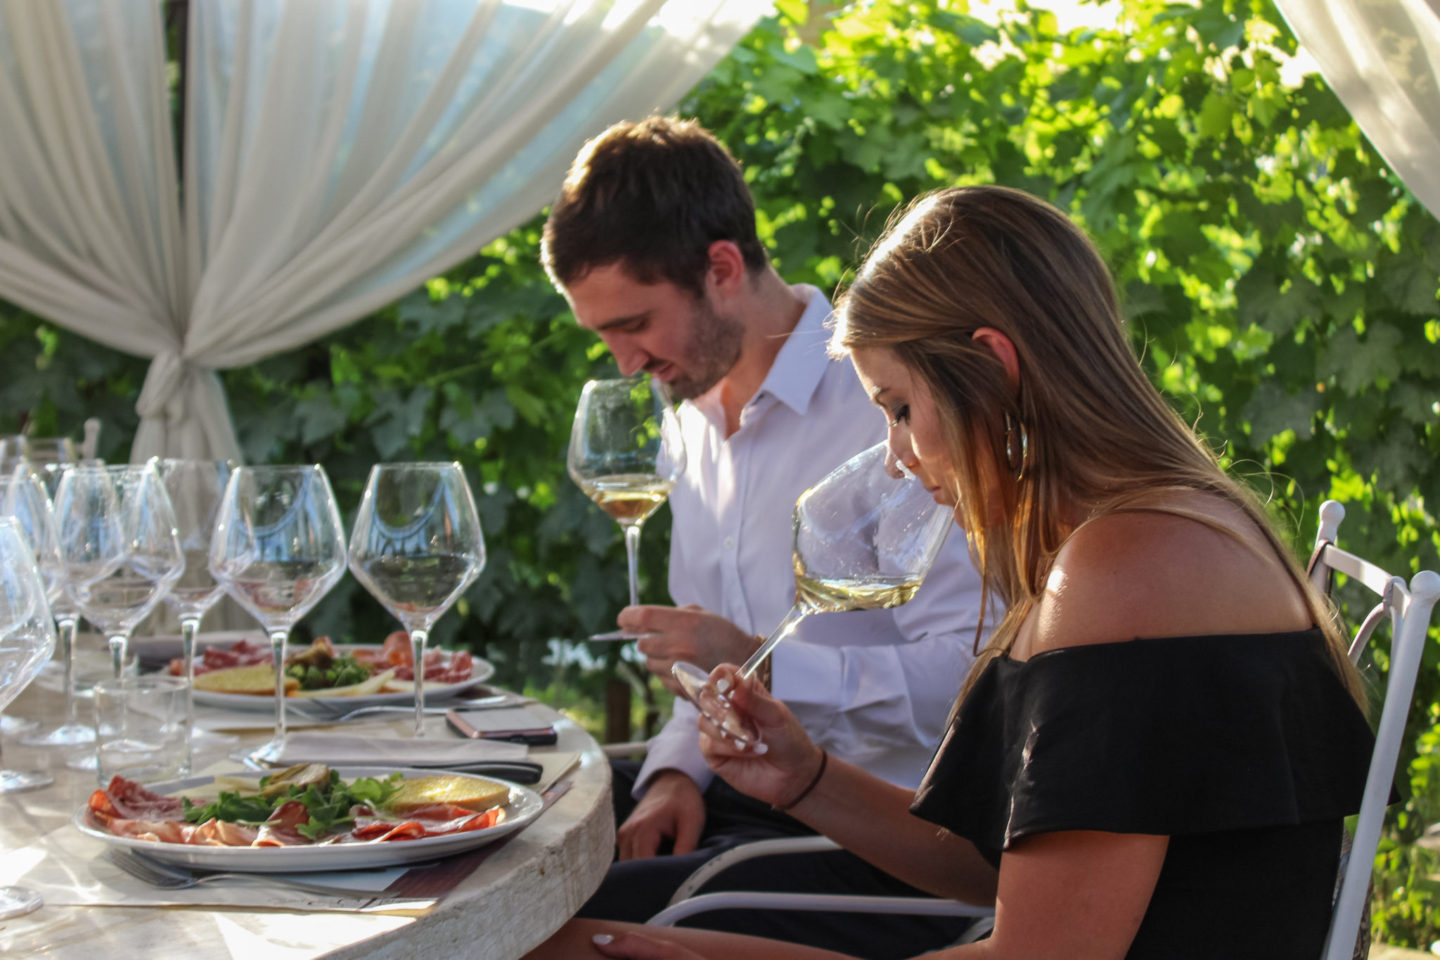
{"type": "Point", "coordinates": [654, 196]}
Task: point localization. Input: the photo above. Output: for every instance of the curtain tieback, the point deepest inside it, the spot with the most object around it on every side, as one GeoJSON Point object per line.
{"type": "Point", "coordinates": [163, 394]}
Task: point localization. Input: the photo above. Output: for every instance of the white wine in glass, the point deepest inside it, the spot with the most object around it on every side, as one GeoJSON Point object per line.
{"type": "Point", "coordinates": [416, 546]}
{"type": "Point", "coordinates": [864, 540]}
{"type": "Point", "coordinates": [278, 547]}
{"type": "Point", "coordinates": [626, 454]}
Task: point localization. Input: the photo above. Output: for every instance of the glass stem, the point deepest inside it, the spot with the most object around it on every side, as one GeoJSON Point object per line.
{"type": "Point", "coordinates": [119, 647]}
{"type": "Point", "coordinates": [632, 559]}
{"type": "Point", "coordinates": [65, 625]}
{"type": "Point", "coordinates": [417, 650]}
{"type": "Point", "coordinates": [277, 648]}
{"type": "Point", "coordinates": [787, 626]}
{"type": "Point", "coordinates": [189, 626]}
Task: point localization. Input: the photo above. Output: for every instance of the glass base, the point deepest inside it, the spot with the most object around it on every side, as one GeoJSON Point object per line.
{"type": "Point", "coordinates": [696, 686]}
{"type": "Point", "coordinates": [18, 901]}
{"type": "Point", "coordinates": [266, 756]}
{"type": "Point", "coordinates": [14, 781]}
{"type": "Point", "coordinates": [69, 735]}
{"type": "Point", "coordinates": [15, 726]}
{"type": "Point", "coordinates": [84, 761]}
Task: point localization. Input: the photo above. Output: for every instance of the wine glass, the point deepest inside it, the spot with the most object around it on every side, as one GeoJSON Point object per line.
{"type": "Point", "coordinates": [119, 546]}
{"type": "Point", "coordinates": [195, 488]}
{"type": "Point", "coordinates": [416, 546]}
{"type": "Point", "coordinates": [43, 450]}
{"type": "Point", "coordinates": [626, 454]}
{"type": "Point", "coordinates": [23, 496]}
{"type": "Point", "coordinates": [44, 453]}
{"type": "Point", "coordinates": [27, 638]}
{"type": "Point", "coordinates": [864, 540]}
{"type": "Point", "coordinates": [277, 549]}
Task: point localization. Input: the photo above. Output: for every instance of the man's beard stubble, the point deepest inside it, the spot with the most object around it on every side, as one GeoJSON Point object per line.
{"type": "Point", "coordinates": [711, 352]}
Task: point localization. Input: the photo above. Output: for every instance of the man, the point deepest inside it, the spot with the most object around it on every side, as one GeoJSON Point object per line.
{"type": "Point", "coordinates": [653, 243]}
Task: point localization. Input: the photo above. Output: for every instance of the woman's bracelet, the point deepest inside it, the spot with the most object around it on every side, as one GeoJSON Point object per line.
{"type": "Point", "coordinates": [824, 759]}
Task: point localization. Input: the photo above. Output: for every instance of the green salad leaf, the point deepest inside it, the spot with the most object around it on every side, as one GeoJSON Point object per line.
{"type": "Point", "coordinates": [328, 803]}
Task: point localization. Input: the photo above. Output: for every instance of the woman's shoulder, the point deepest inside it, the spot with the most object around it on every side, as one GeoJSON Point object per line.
{"type": "Point", "coordinates": [1181, 565]}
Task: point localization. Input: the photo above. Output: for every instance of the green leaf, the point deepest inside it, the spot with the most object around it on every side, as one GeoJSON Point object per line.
{"type": "Point", "coordinates": [1215, 115]}
{"type": "Point", "coordinates": [1358, 364]}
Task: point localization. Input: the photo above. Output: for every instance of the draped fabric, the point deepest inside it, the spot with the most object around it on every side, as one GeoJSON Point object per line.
{"type": "Point", "coordinates": [336, 154]}
{"type": "Point", "coordinates": [1382, 59]}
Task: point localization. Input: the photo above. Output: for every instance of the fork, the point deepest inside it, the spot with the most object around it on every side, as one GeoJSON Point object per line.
{"type": "Point", "coordinates": [166, 877]}
{"type": "Point", "coordinates": [481, 703]}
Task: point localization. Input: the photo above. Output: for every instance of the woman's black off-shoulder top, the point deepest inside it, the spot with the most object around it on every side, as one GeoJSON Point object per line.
{"type": "Point", "coordinates": [1247, 751]}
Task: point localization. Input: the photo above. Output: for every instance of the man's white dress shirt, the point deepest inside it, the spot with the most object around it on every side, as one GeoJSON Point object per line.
{"type": "Point", "coordinates": [873, 687]}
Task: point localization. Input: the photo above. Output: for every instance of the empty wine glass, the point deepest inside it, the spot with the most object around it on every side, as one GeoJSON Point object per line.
{"type": "Point", "coordinates": [27, 638]}
{"type": "Point", "coordinates": [22, 496]}
{"type": "Point", "coordinates": [119, 546]}
{"type": "Point", "coordinates": [864, 540]}
{"type": "Point", "coordinates": [277, 549]}
{"type": "Point", "coordinates": [194, 488]}
{"type": "Point", "coordinates": [416, 546]}
{"type": "Point", "coordinates": [43, 450]}
{"type": "Point", "coordinates": [626, 454]}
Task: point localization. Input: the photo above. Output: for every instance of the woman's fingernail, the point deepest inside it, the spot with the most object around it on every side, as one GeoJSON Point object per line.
{"type": "Point", "coordinates": [600, 939]}
{"type": "Point", "coordinates": [723, 685]}
{"type": "Point", "coordinates": [760, 747]}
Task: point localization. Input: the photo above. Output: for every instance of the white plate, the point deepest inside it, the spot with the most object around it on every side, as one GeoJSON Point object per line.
{"type": "Point", "coordinates": [523, 806]}
{"type": "Point", "coordinates": [480, 671]}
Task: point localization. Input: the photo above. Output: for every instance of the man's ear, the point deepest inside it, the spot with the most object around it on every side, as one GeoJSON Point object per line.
{"type": "Point", "coordinates": [727, 267]}
{"type": "Point", "coordinates": [1004, 350]}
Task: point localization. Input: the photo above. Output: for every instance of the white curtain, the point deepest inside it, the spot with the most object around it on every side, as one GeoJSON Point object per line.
{"type": "Point", "coordinates": [337, 153]}
{"type": "Point", "coordinates": [1382, 58]}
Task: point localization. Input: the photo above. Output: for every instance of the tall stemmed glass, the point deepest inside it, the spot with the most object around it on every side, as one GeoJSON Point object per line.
{"type": "Point", "coordinates": [27, 638]}
{"type": "Point", "coordinates": [23, 497]}
{"type": "Point", "coordinates": [416, 546]}
{"type": "Point", "coordinates": [864, 540]}
{"type": "Point", "coordinates": [195, 488]}
{"type": "Point", "coordinates": [119, 546]}
{"type": "Point", "coordinates": [277, 549]}
{"type": "Point", "coordinates": [626, 454]}
{"type": "Point", "coordinates": [45, 454]}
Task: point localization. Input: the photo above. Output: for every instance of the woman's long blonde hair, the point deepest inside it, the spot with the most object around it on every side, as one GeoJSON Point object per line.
{"type": "Point", "coordinates": [1097, 435]}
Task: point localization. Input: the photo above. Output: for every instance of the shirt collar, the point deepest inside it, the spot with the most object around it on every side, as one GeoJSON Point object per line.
{"type": "Point", "coordinates": [802, 361]}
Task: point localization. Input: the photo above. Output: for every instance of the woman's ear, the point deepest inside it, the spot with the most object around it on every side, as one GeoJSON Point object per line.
{"type": "Point", "coordinates": [1004, 350]}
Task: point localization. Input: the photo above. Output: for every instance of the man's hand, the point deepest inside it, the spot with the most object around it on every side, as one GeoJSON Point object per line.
{"type": "Point", "coordinates": [685, 633]}
{"type": "Point", "coordinates": [672, 808]}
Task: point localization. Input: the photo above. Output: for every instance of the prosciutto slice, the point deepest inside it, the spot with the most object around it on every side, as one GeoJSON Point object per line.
{"type": "Point", "coordinates": [431, 820]}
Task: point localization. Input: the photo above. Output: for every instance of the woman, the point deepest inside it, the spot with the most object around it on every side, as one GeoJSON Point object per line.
{"type": "Point", "coordinates": [1153, 756]}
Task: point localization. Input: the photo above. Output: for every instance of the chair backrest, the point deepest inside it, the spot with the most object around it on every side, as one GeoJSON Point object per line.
{"type": "Point", "coordinates": [1408, 609]}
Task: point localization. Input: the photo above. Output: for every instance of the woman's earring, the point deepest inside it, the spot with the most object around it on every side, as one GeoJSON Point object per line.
{"type": "Point", "coordinates": [1017, 446]}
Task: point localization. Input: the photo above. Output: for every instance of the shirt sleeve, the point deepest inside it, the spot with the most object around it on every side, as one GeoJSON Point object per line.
{"type": "Point", "coordinates": [874, 701]}
{"type": "Point", "coordinates": [675, 747]}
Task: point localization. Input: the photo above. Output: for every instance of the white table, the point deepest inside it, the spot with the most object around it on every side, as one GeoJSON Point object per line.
{"type": "Point", "coordinates": [514, 900]}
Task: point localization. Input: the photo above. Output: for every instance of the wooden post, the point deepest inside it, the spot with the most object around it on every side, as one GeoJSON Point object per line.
{"type": "Point", "coordinates": [617, 710]}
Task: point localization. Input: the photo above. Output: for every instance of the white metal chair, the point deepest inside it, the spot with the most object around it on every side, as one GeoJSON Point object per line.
{"type": "Point", "coordinates": [1409, 609]}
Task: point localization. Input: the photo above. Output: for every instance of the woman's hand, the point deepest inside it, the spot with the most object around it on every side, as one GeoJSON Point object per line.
{"type": "Point", "coordinates": [789, 759]}
{"type": "Point", "coordinates": [634, 946]}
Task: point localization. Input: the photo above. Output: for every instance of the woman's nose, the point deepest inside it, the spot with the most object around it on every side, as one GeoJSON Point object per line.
{"type": "Point", "coordinates": [895, 465]}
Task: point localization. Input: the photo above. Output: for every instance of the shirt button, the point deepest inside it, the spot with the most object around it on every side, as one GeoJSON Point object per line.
{"type": "Point", "coordinates": [729, 543]}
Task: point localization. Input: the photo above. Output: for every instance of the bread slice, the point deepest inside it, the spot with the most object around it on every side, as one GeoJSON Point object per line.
{"type": "Point", "coordinates": [257, 679]}
{"type": "Point", "coordinates": [472, 793]}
